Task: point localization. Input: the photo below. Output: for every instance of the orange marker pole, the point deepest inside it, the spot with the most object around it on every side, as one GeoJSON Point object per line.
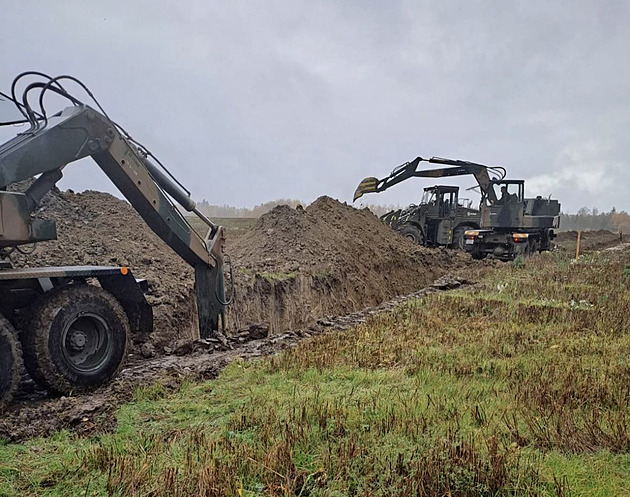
{"type": "Point", "coordinates": [577, 247]}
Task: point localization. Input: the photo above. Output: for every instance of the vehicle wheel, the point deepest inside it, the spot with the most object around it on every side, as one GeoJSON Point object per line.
{"type": "Point", "coordinates": [478, 255]}
{"type": "Point", "coordinates": [526, 249]}
{"type": "Point", "coordinates": [412, 233]}
{"type": "Point", "coordinates": [458, 237]}
{"type": "Point", "coordinates": [10, 362]}
{"type": "Point", "coordinates": [76, 339]}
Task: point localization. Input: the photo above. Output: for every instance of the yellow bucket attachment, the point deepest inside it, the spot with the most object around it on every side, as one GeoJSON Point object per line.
{"type": "Point", "coordinates": [368, 185]}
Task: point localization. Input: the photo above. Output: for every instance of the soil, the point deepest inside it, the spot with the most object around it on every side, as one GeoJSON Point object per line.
{"type": "Point", "coordinates": [96, 228]}
{"type": "Point", "coordinates": [293, 267]}
{"type": "Point", "coordinates": [589, 240]}
{"type": "Point", "coordinates": [299, 264]}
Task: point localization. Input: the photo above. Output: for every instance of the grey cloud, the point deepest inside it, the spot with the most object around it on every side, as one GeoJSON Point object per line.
{"type": "Point", "coordinates": [251, 101]}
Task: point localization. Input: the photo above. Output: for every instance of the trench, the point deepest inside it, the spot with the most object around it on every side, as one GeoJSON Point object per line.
{"type": "Point", "coordinates": [34, 413]}
{"type": "Point", "coordinates": [288, 302]}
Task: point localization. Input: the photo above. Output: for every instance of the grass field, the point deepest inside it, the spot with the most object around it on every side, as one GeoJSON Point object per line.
{"type": "Point", "coordinates": [231, 224]}
{"type": "Point", "coordinates": [519, 385]}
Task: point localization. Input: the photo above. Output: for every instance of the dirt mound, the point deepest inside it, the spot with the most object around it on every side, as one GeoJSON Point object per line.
{"type": "Point", "coordinates": [327, 237]}
{"type": "Point", "coordinates": [329, 258]}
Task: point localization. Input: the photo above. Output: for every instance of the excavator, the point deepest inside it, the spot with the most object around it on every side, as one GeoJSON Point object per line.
{"type": "Point", "coordinates": [70, 333]}
{"type": "Point", "coordinates": [439, 219]}
{"type": "Point", "coordinates": [510, 225]}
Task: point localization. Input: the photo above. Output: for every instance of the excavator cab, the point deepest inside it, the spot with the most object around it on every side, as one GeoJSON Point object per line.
{"type": "Point", "coordinates": [506, 209]}
{"type": "Point", "coordinates": [441, 201]}
{"type": "Point", "coordinates": [440, 209]}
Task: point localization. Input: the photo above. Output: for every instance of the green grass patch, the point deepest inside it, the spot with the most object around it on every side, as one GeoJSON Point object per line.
{"type": "Point", "coordinates": [277, 277]}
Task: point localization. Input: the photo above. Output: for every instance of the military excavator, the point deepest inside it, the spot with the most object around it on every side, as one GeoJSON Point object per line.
{"type": "Point", "coordinates": [70, 333]}
{"type": "Point", "coordinates": [509, 225]}
{"type": "Point", "coordinates": [439, 219]}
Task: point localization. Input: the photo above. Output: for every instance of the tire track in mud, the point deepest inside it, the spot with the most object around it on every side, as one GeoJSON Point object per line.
{"type": "Point", "coordinates": [34, 414]}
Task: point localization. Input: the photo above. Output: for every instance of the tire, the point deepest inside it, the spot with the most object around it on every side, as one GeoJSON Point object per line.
{"type": "Point", "coordinates": [478, 255]}
{"type": "Point", "coordinates": [527, 249]}
{"type": "Point", "coordinates": [10, 362]}
{"type": "Point", "coordinates": [458, 237]}
{"type": "Point", "coordinates": [76, 339]}
{"type": "Point", "coordinates": [412, 233]}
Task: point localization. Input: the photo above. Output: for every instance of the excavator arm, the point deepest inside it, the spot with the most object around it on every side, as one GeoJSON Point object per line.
{"type": "Point", "coordinates": [410, 170]}
{"type": "Point", "coordinates": [79, 132]}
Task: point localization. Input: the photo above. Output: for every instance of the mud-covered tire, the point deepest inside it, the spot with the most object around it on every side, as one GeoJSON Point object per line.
{"type": "Point", "coordinates": [412, 233]}
{"type": "Point", "coordinates": [76, 339]}
{"type": "Point", "coordinates": [478, 255]}
{"type": "Point", "coordinates": [10, 362]}
{"type": "Point", "coordinates": [458, 237]}
{"type": "Point", "coordinates": [526, 249]}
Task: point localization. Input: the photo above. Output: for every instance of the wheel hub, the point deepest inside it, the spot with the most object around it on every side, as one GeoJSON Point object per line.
{"type": "Point", "coordinates": [86, 343]}
{"type": "Point", "coordinates": [77, 340]}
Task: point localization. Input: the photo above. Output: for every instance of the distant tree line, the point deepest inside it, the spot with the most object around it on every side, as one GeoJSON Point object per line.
{"type": "Point", "coordinates": [592, 219]}
{"type": "Point", "coordinates": [212, 210]}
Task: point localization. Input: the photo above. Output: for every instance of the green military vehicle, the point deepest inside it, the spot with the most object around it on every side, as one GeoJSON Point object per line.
{"type": "Point", "coordinates": [70, 333]}
{"type": "Point", "coordinates": [509, 225]}
{"type": "Point", "coordinates": [513, 225]}
{"type": "Point", "coordinates": [440, 219]}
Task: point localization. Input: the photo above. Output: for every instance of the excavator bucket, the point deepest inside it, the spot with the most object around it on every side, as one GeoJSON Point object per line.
{"type": "Point", "coordinates": [210, 288]}
{"type": "Point", "coordinates": [368, 185]}
{"type": "Point", "coordinates": [210, 292]}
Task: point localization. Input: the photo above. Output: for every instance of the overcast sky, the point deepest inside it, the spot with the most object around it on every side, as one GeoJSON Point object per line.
{"type": "Point", "coordinates": [252, 101]}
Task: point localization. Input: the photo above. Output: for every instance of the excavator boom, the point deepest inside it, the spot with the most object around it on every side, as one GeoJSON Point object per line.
{"type": "Point", "coordinates": [410, 170]}
{"type": "Point", "coordinates": [74, 334]}
{"type": "Point", "coordinates": [80, 131]}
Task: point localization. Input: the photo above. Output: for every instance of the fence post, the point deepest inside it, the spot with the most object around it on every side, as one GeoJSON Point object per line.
{"type": "Point", "coordinates": [577, 247]}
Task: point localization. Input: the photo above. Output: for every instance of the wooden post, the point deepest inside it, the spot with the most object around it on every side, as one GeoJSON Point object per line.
{"type": "Point", "coordinates": [577, 247]}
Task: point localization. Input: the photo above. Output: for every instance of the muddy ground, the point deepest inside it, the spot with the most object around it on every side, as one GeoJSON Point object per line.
{"type": "Point", "coordinates": [589, 240]}
{"type": "Point", "coordinates": [35, 414]}
{"type": "Point", "coordinates": [296, 273]}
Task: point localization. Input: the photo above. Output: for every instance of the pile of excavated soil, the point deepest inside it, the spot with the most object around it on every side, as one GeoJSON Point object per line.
{"type": "Point", "coordinates": [294, 267]}
{"type": "Point", "coordinates": [330, 258]}
{"type": "Point", "coordinates": [331, 238]}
